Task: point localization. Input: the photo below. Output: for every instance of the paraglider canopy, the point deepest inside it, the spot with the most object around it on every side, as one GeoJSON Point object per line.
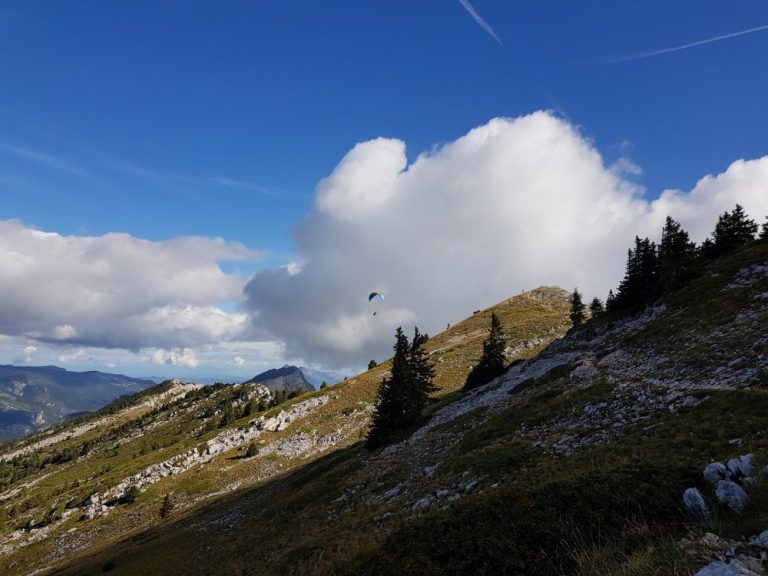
{"type": "Point", "coordinates": [373, 295]}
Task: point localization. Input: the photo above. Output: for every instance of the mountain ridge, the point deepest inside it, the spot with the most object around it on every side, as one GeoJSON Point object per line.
{"type": "Point", "coordinates": [35, 396]}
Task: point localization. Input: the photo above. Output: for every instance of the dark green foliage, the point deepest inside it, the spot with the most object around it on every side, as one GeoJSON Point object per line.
{"type": "Point", "coordinates": [372, 364]}
{"type": "Point", "coordinates": [640, 285]}
{"type": "Point", "coordinates": [577, 308]}
{"type": "Point", "coordinates": [253, 406]}
{"type": "Point", "coordinates": [652, 272]}
{"type": "Point", "coordinates": [167, 506]}
{"type": "Point", "coordinates": [707, 250]}
{"type": "Point", "coordinates": [278, 397]}
{"type": "Point", "coordinates": [252, 450]}
{"type": "Point", "coordinates": [596, 307]}
{"type": "Point", "coordinates": [230, 415]}
{"type": "Point", "coordinates": [130, 495]}
{"type": "Point", "coordinates": [323, 385]}
{"type": "Point", "coordinates": [491, 363]}
{"type": "Point", "coordinates": [403, 395]}
{"type": "Point", "coordinates": [764, 229]}
{"type": "Point", "coordinates": [422, 373]}
{"type": "Point", "coordinates": [519, 532]}
{"type": "Point", "coordinates": [733, 230]}
{"type": "Point", "coordinates": [679, 260]}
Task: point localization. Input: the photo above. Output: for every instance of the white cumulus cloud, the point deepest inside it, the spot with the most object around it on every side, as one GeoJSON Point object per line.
{"type": "Point", "coordinates": [176, 357]}
{"type": "Point", "coordinates": [116, 290]}
{"type": "Point", "coordinates": [26, 355]}
{"type": "Point", "coordinates": [513, 204]}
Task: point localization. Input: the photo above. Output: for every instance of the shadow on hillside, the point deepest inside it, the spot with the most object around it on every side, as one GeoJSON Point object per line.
{"type": "Point", "coordinates": [220, 536]}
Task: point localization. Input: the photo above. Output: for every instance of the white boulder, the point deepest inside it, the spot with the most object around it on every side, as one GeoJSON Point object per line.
{"type": "Point", "coordinates": [695, 503]}
{"type": "Point", "coordinates": [732, 495]}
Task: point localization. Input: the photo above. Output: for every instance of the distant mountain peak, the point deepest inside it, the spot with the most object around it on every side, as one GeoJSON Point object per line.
{"type": "Point", "coordinates": [286, 378]}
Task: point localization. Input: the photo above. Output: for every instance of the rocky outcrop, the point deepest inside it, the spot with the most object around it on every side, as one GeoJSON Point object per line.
{"type": "Point", "coordinates": [728, 481]}
{"type": "Point", "coordinates": [175, 391]}
{"type": "Point", "coordinates": [224, 442]}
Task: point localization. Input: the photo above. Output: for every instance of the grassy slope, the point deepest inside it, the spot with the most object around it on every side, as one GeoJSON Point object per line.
{"type": "Point", "coordinates": [539, 314]}
{"type": "Point", "coordinates": [610, 509]}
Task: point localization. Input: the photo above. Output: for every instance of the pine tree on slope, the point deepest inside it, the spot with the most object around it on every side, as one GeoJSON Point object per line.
{"type": "Point", "coordinates": [422, 373]}
{"type": "Point", "coordinates": [596, 306]}
{"type": "Point", "coordinates": [402, 395]}
{"type": "Point", "coordinates": [733, 230]}
{"type": "Point", "coordinates": [678, 257]}
{"type": "Point", "coordinates": [577, 308]}
{"type": "Point", "coordinates": [491, 363]}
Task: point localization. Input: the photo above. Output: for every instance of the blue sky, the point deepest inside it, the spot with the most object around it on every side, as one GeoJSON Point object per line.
{"type": "Point", "coordinates": [162, 119]}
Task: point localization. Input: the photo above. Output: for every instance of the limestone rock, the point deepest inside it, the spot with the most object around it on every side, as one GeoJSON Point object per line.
{"type": "Point", "coordinates": [718, 568]}
{"type": "Point", "coordinates": [760, 540]}
{"type": "Point", "coordinates": [732, 495]}
{"type": "Point", "coordinates": [740, 467]}
{"type": "Point", "coordinates": [695, 503]}
{"type": "Point", "coordinates": [715, 472]}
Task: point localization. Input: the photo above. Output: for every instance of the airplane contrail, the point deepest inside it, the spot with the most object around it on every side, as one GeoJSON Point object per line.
{"type": "Point", "coordinates": [483, 24]}
{"type": "Point", "coordinates": [685, 46]}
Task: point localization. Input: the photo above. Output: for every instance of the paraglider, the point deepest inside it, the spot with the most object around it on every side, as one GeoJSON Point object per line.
{"type": "Point", "coordinates": [373, 296]}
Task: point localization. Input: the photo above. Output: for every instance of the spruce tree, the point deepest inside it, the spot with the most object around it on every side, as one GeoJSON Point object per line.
{"type": "Point", "coordinates": [372, 364]}
{"type": "Point", "coordinates": [610, 301]}
{"type": "Point", "coordinates": [422, 373]}
{"type": "Point", "coordinates": [388, 415]}
{"type": "Point", "coordinates": [596, 306]}
{"type": "Point", "coordinates": [403, 395]}
{"type": "Point", "coordinates": [577, 308]}
{"type": "Point", "coordinates": [491, 363]}
{"type": "Point", "coordinates": [640, 285]}
{"type": "Point", "coordinates": [764, 229]}
{"type": "Point", "coordinates": [678, 257]}
{"type": "Point", "coordinates": [733, 230]}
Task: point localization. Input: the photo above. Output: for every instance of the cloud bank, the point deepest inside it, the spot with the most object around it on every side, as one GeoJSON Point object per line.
{"type": "Point", "coordinates": [512, 205]}
{"type": "Point", "coordinates": [118, 291]}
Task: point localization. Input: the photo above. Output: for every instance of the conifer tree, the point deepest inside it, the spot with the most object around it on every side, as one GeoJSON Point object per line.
{"type": "Point", "coordinates": [388, 415]}
{"type": "Point", "coordinates": [167, 506]}
{"type": "Point", "coordinates": [402, 395]}
{"type": "Point", "coordinates": [372, 364]}
{"type": "Point", "coordinates": [577, 308]}
{"type": "Point", "coordinates": [764, 229]}
{"type": "Point", "coordinates": [422, 373]}
{"type": "Point", "coordinates": [733, 230]}
{"type": "Point", "coordinates": [640, 285]}
{"type": "Point", "coordinates": [596, 306]}
{"type": "Point", "coordinates": [610, 301]}
{"type": "Point", "coordinates": [678, 257]}
{"type": "Point", "coordinates": [491, 363]}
